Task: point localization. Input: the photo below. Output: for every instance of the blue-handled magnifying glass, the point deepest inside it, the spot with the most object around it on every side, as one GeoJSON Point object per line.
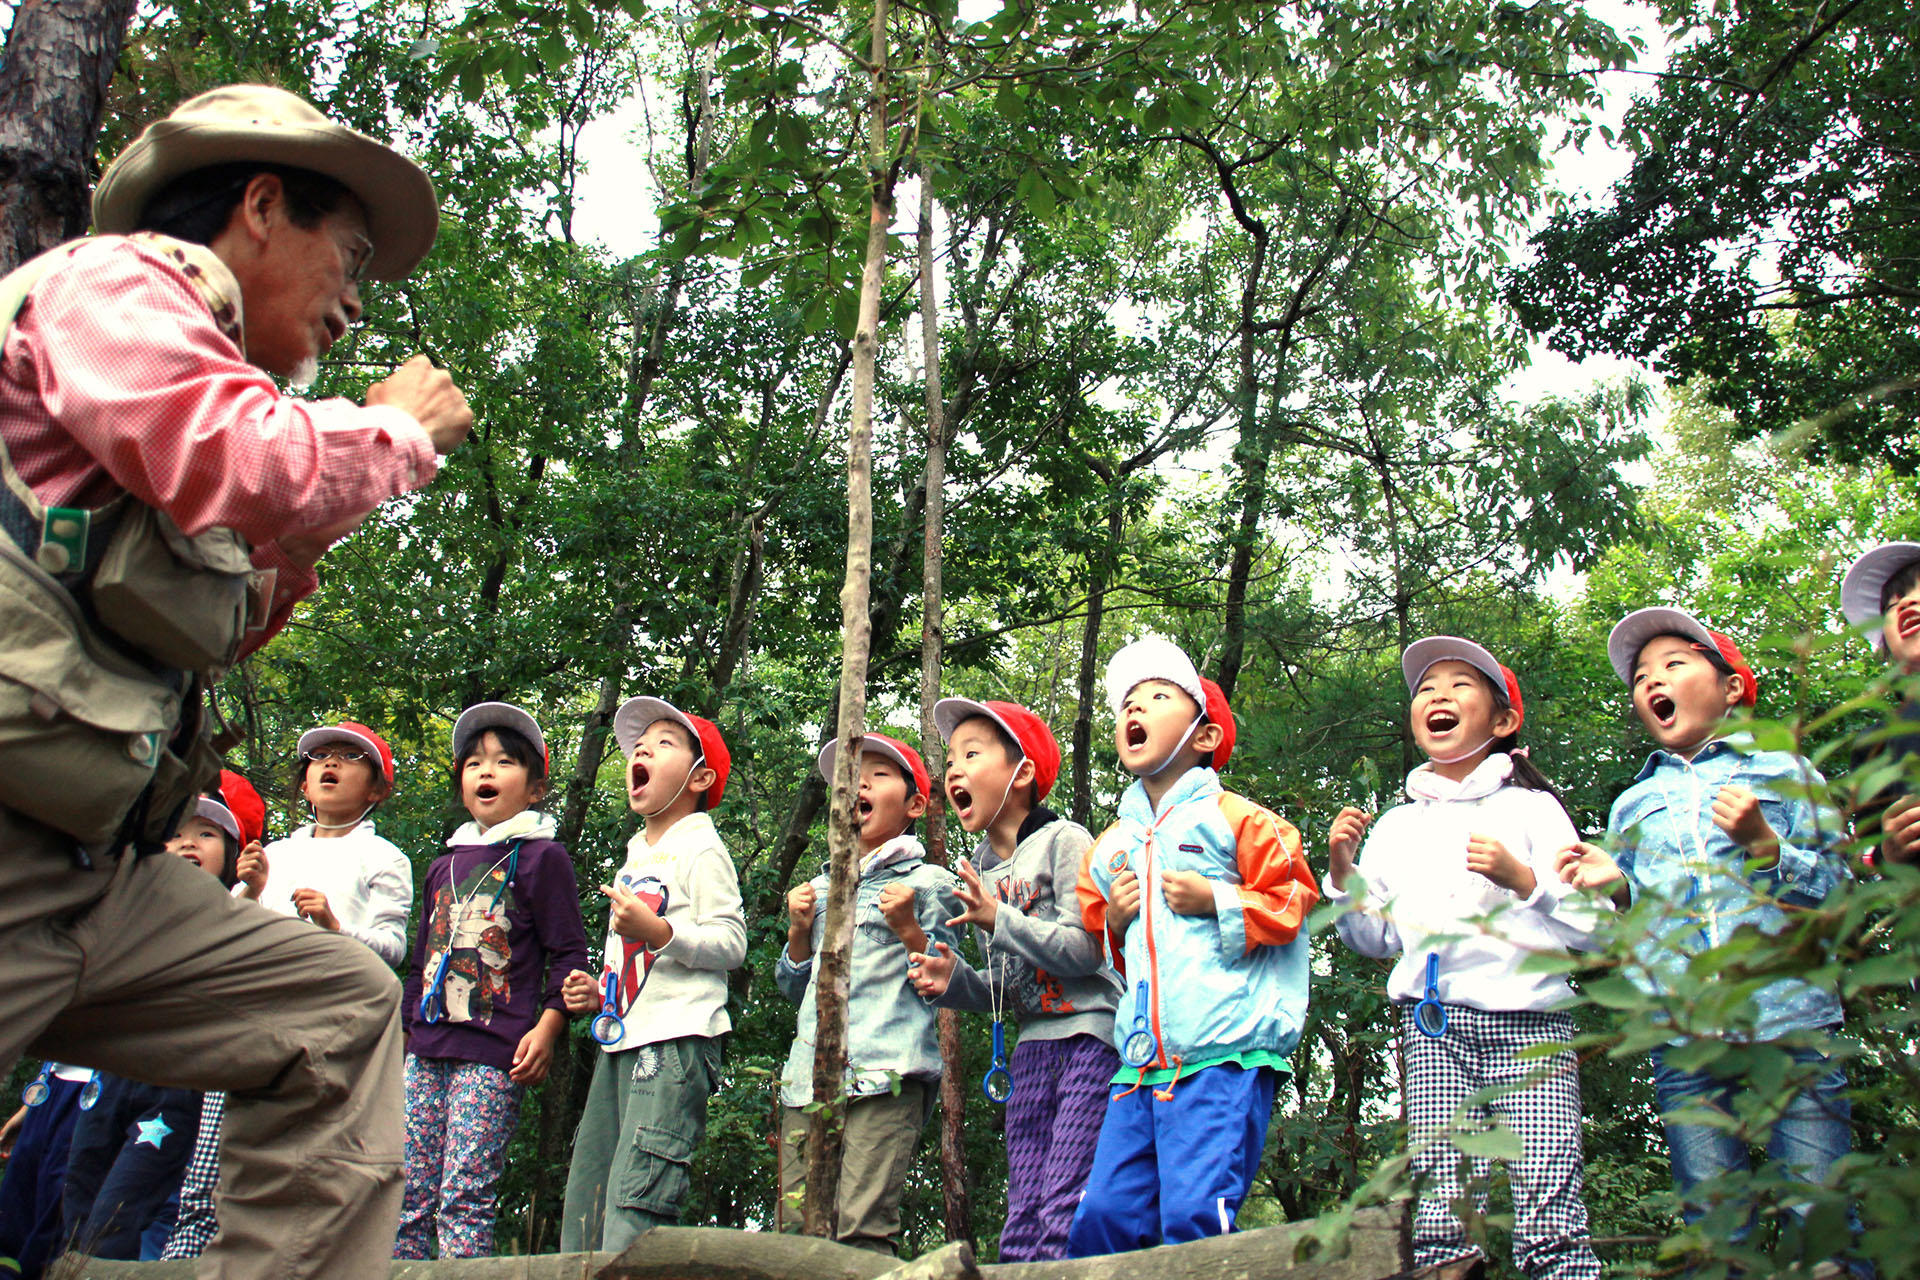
{"type": "Point", "coordinates": [90, 1092]}
{"type": "Point", "coordinates": [998, 1085]}
{"type": "Point", "coordinates": [1139, 1048]}
{"type": "Point", "coordinates": [1430, 1016]}
{"type": "Point", "coordinates": [40, 1088]}
{"type": "Point", "coordinates": [431, 1003]}
{"type": "Point", "coordinates": [608, 1026]}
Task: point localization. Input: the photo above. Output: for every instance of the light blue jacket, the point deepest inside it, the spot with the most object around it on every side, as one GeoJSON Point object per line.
{"type": "Point", "coordinates": [1663, 837]}
{"type": "Point", "coordinates": [1211, 986]}
{"type": "Point", "coordinates": [890, 1030]}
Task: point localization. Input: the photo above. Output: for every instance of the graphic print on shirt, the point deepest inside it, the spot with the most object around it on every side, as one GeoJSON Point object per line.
{"type": "Point", "coordinates": [1028, 985]}
{"type": "Point", "coordinates": [634, 959]}
{"type": "Point", "coordinates": [470, 921]}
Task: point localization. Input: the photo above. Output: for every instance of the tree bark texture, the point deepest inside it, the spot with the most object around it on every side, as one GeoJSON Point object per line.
{"type": "Point", "coordinates": [831, 973]}
{"type": "Point", "coordinates": [59, 60]}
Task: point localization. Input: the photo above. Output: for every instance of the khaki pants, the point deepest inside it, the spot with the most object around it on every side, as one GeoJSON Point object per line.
{"type": "Point", "coordinates": [148, 969]}
{"type": "Point", "coordinates": [875, 1153]}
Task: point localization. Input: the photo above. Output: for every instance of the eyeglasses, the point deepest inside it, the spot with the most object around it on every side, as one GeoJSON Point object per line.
{"type": "Point", "coordinates": [337, 755]}
{"type": "Point", "coordinates": [355, 257]}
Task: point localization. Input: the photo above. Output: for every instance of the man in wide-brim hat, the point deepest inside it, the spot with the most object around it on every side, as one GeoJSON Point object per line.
{"type": "Point", "coordinates": [231, 241]}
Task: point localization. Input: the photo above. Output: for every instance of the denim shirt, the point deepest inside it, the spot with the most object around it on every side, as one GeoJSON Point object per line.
{"type": "Point", "coordinates": [1664, 838]}
{"type": "Point", "coordinates": [890, 1030]}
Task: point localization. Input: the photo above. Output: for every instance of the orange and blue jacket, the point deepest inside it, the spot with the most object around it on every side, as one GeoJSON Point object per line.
{"type": "Point", "coordinates": [1209, 985]}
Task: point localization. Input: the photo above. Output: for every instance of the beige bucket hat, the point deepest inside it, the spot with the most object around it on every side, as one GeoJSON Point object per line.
{"type": "Point", "coordinates": [241, 122]}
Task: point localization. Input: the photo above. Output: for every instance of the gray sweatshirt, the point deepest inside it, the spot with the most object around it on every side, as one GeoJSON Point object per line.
{"type": "Point", "coordinates": [1047, 967]}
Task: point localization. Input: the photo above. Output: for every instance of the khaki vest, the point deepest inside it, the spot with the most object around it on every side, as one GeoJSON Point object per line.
{"type": "Point", "coordinates": [112, 621]}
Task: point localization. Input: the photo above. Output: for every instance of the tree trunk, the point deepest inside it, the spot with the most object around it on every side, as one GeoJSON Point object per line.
{"type": "Point", "coordinates": [831, 972]}
{"type": "Point", "coordinates": [1099, 578]}
{"type": "Point", "coordinates": [59, 61]}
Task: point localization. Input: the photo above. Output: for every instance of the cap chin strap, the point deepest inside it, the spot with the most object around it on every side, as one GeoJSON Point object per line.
{"type": "Point", "coordinates": [698, 761]}
{"type": "Point", "coordinates": [1185, 738]}
{"type": "Point", "coordinates": [1004, 793]}
{"type": "Point", "coordinates": [338, 826]}
{"type": "Point", "coordinates": [1465, 755]}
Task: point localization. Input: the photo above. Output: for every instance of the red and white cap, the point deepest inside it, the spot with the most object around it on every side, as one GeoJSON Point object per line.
{"type": "Point", "coordinates": [1036, 740]}
{"type": "Point", "coordinates": [482, 716]}
{"type": "Point", "coordinates": [880, 744]}
{"type": "Point", "coordinates": [236, 808]}
{"type": "Point", "coordinates": [1424, 652]}
{"type": "Point", "coordinates": [1867, 578]}
{"type": "Point", "coordinates": [1630, 635]}
{"type": "Point", "coordinates": [354, 734]}
{"type": "Point", "coordinates": [635, 714]}
{"type": "Point", "coordinates": [1157, 658]}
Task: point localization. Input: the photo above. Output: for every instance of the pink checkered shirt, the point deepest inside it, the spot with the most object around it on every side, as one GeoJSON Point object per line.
{"type": "Point", "coordinates": [115, 376]}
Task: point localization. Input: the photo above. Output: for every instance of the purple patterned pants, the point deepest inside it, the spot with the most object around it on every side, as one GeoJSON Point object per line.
{"type": "Point", "coordinates": [459, 1118]}
{"type": "Point", "coordinates": [1060, 1090]}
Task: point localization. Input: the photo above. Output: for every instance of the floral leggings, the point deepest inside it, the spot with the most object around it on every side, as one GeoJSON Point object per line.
{"type": "Point", "coordinates": [460, 1116]}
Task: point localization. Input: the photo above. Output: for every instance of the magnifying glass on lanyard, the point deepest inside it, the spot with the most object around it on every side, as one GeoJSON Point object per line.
{"type": "Point", "coordinates": [40, 1088]}
{"type": "Point", "coordinates": [608, 1025]}
{"type": "Point", "coordinates": [1430, 1016]}
{"type": "Point", "coordinates": [433, 1003]}
{"type": "Point", "coordinates": [1140, 1047]}
{"type": "Point", "coordinates": [997, 1084]}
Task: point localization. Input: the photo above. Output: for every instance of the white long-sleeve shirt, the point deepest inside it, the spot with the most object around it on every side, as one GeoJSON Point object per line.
{"type": "Point", "coordinates": [367, 880]}
{"type": "Point", "coordinates": [1420, 897]}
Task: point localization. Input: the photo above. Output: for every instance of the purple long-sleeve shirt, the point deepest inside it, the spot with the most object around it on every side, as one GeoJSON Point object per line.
{"type": "Point", "coordinates": [508, 948]}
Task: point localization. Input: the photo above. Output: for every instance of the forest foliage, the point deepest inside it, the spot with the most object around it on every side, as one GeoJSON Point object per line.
{"type": "Point", "coordinates": [1231, 295]}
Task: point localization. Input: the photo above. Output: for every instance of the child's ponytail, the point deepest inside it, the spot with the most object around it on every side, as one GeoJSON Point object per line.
{"type": "Point", "coordinates": [1525, 772]}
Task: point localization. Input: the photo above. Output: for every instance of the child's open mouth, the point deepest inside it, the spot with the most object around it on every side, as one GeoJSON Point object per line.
{"type": "Point", "coordinates": [1136, 734]}
{"type": "Point", "coordinates": [329, 777]}
{"type": "Point", "coordinates": [1442, 722]}
{"type": "Point", "coordinates": [1907, 620]}
{"type": "Point", "coordinates": [961, 797]}
{"type": "Point", "coordinates": [486, 793]}
{"type": "Point", "coordinates": [1662, 708]}
{"type": "Point", "coordinates": [863, 809]}
{"type": "Point", "coordinates": [637, 777]}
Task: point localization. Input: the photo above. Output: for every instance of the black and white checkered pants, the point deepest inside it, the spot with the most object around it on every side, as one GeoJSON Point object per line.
{"type": "Point", "coordinates": [1539, 1101]}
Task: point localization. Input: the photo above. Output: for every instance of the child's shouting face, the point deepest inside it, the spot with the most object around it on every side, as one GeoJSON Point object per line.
{"type": "Point", "coordinates": [494, 786]}
{"type": "Point", "coordinates": [1455, 717]}
{"type": "Point", "coordinates": [342, 779]}
{"type": "Point", "coordinates": [1902, 630]}
{"type": "Point", "coordinates": [887, 800]}
{"type": "Point", "coordinates": [982, 774]}
{"type": "Point", "coordinates": [659, 767]}
{"type": "Point", "coordinates": [201, 842]}
{"type": "Point", "coordinates": [1153, 726]}
{"type": "Point", "coordinates": [1679, 695]}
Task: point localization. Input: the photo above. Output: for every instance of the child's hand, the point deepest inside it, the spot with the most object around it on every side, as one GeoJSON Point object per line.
{"type": "Point", "coordinates": [1123, 902]}
{"type": "Point", "coordinates": [1343, 842]}
{"type": "Point", "coordinates": [931, 972]}
{"type": "Point", "coordinates": [982, 908]}
{"type": "Point", "coordinates": [11, 1131]}
{"type": "Point", "coordinates": [1736, 811]}
{"type": "Point", "coordinates": [1586, 866]}
{"type": "Point", "coordinates": [1900, 831]}
{"type": "Point", "coordinates": [896, 907]}
{"type": "Point", "coordinates": [1488, 857]}
{"type": "Point", "coordinates": [251, 870]}
{"type": "Point", "coordinates": [1188, 892]}
{"type": "Point", "coordinates": [533, 1057]}
{"type": "Point", "coordinates": [312, 905]}
{"type": "Point", "coordinates": [634, 920]}
{"type": "Point", "coordinates": [580, 992]}
{"type": "Point", "coordinates": [800, 903]}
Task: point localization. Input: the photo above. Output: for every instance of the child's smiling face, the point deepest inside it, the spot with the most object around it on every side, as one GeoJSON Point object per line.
{"type": "Point", "coordinates": [202, 842]}
{"type": "Point", "coordinates": [658, 766]}
{"type": "Point", "coordinates": [1902, 631]}
{"type": "Point", "coordinates": [1454, 712]}
{"type": "Point", "coordinates": [493, 785]}
{"type": "Point", "coordinates": [1679, 695]}
{"type": "Point", "coordinates": [981, 774]}
{"type": "Point", "coordinates": [887, 800]}
{"type": "Point", "coordinates": [1154, 718]}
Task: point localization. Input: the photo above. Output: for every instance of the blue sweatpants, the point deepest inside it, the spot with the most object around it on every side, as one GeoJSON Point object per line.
{"type": "Point", "coordinates": [129, 1157]}
{"type": "Point", "coordinates": [33, 1189]}
{"type": "Point", "coordinates": [1170, 1171]}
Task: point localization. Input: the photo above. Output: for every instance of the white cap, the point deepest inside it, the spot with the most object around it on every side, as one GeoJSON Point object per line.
{"type": "Point", "coordinates": [1630, 635]}
{"type": "Point", "coordinates": [635, 714]}
{"type": "Point", "coordinates": [1423, 653]}
{"type": "Point", "coordinates": [1151, 658]}
{"type": "Point", "coordinates": [482, 716]}
{"type": "Point", "coordinates": [212, 810]}
{"type": "Point", "coordinates": [1867, 578]}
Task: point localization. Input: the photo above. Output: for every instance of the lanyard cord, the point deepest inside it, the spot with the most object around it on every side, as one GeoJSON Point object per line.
{"type": "Point", "coordinates": [435, 993]}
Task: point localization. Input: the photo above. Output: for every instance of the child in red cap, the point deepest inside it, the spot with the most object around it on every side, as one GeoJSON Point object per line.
{"type": "Point", "coordinates": [1462, 887]}
{"type": "Point", "coordinates": [893, 1050]}
{"type": "Point", "coordinates": [336, 870]}
{"type": "Point", "coordinates": [674, 930]}
{"type": "Point", "coordinates": [1201, 897]}
{"type": "Point", "coordinates": [1039, 961]}
{"type": "Point", "coordinates": [1724, 837]}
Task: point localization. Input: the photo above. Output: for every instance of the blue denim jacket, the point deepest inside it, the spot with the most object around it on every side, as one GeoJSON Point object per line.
{"type": "Point", "coordinates": [890, 1029]}
{"type": "Point", "coordinates": [1663, 836]}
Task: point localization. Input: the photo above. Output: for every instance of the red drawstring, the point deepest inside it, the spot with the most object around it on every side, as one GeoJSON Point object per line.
{"type": "Point", "coordinates": [1166, 1094]}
